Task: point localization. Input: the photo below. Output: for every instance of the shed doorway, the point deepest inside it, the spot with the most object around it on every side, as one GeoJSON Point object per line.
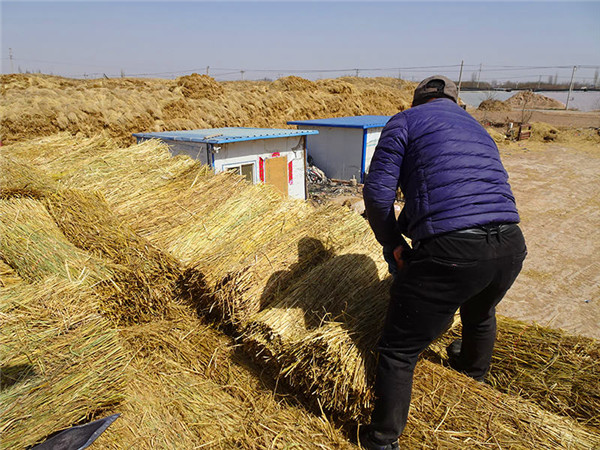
{"type": "Point", "coordinates": [276, 173]}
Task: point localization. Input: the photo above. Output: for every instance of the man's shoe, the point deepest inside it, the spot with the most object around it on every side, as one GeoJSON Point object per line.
{"type": "Point", "coordinates": [453, 351]}
{"type": "Point", "coordinates": [369, 442]}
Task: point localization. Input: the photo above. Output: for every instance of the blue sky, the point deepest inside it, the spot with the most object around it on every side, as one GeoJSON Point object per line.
{"type": "Point", "coordinates": [271, 39]}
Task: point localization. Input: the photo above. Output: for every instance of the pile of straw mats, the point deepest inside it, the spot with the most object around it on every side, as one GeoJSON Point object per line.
{"type": "Point", "coordinates": [302, 290]}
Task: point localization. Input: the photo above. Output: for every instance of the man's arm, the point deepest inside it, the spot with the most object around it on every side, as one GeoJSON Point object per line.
{"type": "Point", "coordinates": [380, 187]}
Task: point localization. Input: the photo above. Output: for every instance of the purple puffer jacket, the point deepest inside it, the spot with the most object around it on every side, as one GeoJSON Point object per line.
{"type": "Point", "coordinates": [448, 168]}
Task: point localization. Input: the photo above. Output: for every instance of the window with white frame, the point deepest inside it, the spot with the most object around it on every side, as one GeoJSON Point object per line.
{"type": "Point", "coordinates": [246, 170]}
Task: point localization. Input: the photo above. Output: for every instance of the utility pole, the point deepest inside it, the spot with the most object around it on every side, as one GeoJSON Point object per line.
{"type": "Point", "coordinates": [242, 72]}
{"type": "Point", "coordinates": [356, 73]}
{"type": "Point", "coordinates": [479, 74]}
{"type": "Point", "coordinates": [460, 76]}
{"type": "Point", "coordinates": [10, 55]}
{"type": "Point", "coordinates": [570, 87]}
{"type": "Point", "coordinates": [539, 82]}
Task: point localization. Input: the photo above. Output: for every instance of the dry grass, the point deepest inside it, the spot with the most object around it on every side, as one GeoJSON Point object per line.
{"type": "Point", "coordinates": [42, 105]}
{"type": "Point", "coordinates": [33, 245]}
{"type": "Point", "coordinates": [148, 278]}
{"type": "Point", "coordinates": [305, 289]}
{"type": "Point", "coordinates": [188, 389]}
{"type": "Point", "coordinates": [61, 362]}
{"type": "Point", "coordinates": [142, 276]}
{"type": "Point", "coordinates": [558, 371]}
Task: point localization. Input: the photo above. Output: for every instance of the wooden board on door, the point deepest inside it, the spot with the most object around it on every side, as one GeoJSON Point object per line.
{"type": "Point", "coordinates": [276, 173]}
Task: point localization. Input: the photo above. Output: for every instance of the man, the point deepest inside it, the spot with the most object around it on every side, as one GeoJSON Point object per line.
{"type": "Point", "coordinates": [467, 248]}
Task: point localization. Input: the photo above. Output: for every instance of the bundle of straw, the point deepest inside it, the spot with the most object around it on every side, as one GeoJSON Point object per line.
{"type": "Point", "coordinates": [305, 304]}
{"type": "Point", "coordinates": [187, 388]}
{"type": "Point", "coordinates": [123, 174]}
{"type": "Point", "coordinates": [61, 362]}
{"type": "Point", "coordinates": [60, 152]}
{"type": "Point", "coordinates": [33, 245]}
{"type": "Point", "coordinates": [292, 243]}
{"type": "Point", "coordinates": [558, 371]}
{"type": "Point", "coordinates": [20, 179]}
{"type": "Point", "coordinates": [99, 164]}
{"type": "Point", "coordinates": [448, 410]}
{"type": "Point", "coordinates": [147, 279]}
{"type": "Point", "coordinates": [304, 315]}
{"type": "Point", "coordinates": [8, 276]}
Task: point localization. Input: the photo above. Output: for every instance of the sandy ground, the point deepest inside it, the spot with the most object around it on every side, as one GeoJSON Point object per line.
{"type": "Point", "coordinates": [558, 196]}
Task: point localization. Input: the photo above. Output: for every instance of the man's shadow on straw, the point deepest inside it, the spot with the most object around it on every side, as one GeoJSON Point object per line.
{"type": "Point", "coordinates": [345, 289]}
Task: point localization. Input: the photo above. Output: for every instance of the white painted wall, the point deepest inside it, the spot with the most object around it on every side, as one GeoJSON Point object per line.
{"type": "Point", "coordinates": [336, 150]}
{"type": "Point", "coordinates": [373, 135]}
{"type": "Point", "coordinates": [246, 152]}
{"type": "Point", "coordinates": [250, 152]}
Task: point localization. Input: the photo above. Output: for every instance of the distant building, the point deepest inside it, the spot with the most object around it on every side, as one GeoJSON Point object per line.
{"type": "Point", "coordinates": [262, 155]}
{"type": "Point", "coordinates": [344, 146]}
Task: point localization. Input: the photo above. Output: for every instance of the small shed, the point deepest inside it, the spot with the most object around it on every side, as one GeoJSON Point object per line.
{"type": "Point", "coordinates": [262, 155]}
{"type": "Point", "coordinates": [345, 145]}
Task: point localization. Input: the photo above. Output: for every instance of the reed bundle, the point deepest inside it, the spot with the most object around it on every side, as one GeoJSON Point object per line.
{"type": "Point", "coordinates": [289, 246]}
{"type": "Point", "coordinates": [448, 410]}
{"type": "Point", "coordinates": [61, 362]}
{"type": "Point", "coordinates": [307, 290]}
{"type": "Point", "coordinates": [82, 239]}
{"type": "Point", "coordinates": [120, 173]}
{"type": "Point", "coordinates": [33, 245]}
{"type": "Point", "coordinates": [8, 276]}
{"type": "Point", "coordinates": [558, 371]}
{"type": "Point", "coordinates": [61, 152]}
{"type": "Point", "coordinates": [210, 212]}
{"type": "Point", "coordinates": [20, 179]}
{"type": "Point", "coordinates": [147, 280]}
{"type": "Point", "coordinates": [189, 389]}
{"type": "Point", "coordinates": [303, 305]}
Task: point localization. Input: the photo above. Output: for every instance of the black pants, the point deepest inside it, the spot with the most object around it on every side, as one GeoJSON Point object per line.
{"type": "Point", "coordinates": [457, 270]}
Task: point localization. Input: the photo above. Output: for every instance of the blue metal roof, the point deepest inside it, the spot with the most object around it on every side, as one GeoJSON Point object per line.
{"type": "Point", "coordinates": [346, 122]}
{"type": "Point", "coordinates": [224, 135]}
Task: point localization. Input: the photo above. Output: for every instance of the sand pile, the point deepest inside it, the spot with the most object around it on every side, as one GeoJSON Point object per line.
{"type": "Point", "coordinates": [529, 100]}
{"type": "Point", "coordinates": [41, 105]}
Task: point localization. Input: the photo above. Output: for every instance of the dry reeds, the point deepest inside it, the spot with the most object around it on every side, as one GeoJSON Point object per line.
{"type": "Point", "coordinates": [144, 278]}
{"type": "Point", "coordinates": [448, 409]}
{"type": "Point", "coordinates": [41, 105]}
{"type": "Point", "coordinates": [34, 246]}
{"type": "Point", "coordinates": [8, 276]}
{"type": "Point", "coordinates": [189, 389]}
{"type": "Point", "coordinates": [558, 371]}
{"type": "Point", "coordinates": [61, 362]}
{"type": "Point", "coordinates": [306, 291]}
{"type": "Point", "coordinates": [20, 179]}
{"type": "Point", "coordinates": [147, 279]}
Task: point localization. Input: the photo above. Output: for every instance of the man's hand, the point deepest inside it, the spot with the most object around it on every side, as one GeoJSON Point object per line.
{"type": "Point", "coordinates": [393, 256]}
{"type": "Point", "coordinates": [398, 257]}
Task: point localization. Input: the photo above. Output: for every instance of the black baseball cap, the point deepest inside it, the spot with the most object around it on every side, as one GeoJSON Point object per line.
{"type": "Point", "coordinates": [435, 87]}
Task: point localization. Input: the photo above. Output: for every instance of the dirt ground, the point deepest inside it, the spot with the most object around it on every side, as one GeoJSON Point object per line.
{"type": "Point", "coordinates": [558, 195]}
{"type": "Point", "coordinates": [556, 118]}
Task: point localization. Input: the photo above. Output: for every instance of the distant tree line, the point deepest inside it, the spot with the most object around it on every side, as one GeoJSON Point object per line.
{"type": "Point", "coordinates": [547, 83]}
